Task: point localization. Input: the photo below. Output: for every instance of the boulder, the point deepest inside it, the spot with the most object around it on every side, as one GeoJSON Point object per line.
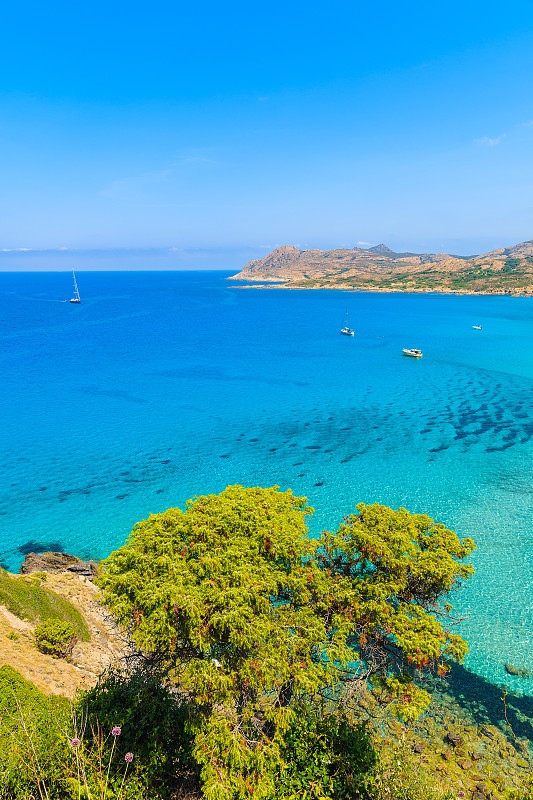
{"type": "Point", "coordinates": [454, 739]}
{"type": "Point", "coordinates": [520, 672]}
{"type": "Point", "coordinates": [58, 562]}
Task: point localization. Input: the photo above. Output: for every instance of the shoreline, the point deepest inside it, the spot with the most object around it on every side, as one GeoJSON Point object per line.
{"type": "Point", "coordinates": [380, 290]}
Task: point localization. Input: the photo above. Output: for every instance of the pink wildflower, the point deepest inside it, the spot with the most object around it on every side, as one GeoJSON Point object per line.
{"type": "Point", "coordinates": [460, 794]}
{"type": "Point", "coordinates": [116, 731]}
{"type": "Point", "coordinates": [128, 758]}
{"type": "Point", "coordinates": [404, 729]}
{"type": "Point", "coordinates": [75, 742]}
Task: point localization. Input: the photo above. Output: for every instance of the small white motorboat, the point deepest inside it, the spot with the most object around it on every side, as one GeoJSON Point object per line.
{"type": "Point", "coordinates": [477, 327]}
{"type": "Point", "coordinates": [413, 352]}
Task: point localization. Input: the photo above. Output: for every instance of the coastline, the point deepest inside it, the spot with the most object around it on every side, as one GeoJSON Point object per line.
{"type": "Point", "coordinates": [386, 290]}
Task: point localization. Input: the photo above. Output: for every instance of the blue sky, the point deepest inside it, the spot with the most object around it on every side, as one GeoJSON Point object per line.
{"type": "Point", "coordinates": [136, 135]}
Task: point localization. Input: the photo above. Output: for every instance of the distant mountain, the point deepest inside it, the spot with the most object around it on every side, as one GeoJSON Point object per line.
{"type": "Point", "coordinates": [379, 268]}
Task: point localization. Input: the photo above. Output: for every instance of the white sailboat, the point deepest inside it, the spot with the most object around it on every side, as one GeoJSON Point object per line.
{"type": "Point", "coordinates": [345, 329]}
{"type": "Point", "coordinates": [76, 298]}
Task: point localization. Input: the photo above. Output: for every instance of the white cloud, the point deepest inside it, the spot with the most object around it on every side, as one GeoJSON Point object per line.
{"type": "Point", "coordinates": [16, 249]}
{"type": "Point", "coordinates": [489, 141]}
{"type": "Point", "coordinates": [364, 244]}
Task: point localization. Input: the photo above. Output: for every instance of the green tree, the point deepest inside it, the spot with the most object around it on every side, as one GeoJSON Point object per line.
{"type": "Point", "coordinates": [393, 572]}
{"type": "Point", "coordinates": [253, 619]}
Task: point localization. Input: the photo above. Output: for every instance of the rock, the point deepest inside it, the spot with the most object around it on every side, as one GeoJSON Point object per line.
{"type": "Point", "coordinates": [476, 756]}
{"type": "Point", "coordinates": [454, 739]}
{"type": "Point", "coordinates": [520, 672]}
{"type": "Point", "coordinates": [419, 748]}
{"type": "Point", "coordinates": [447, 755]}
{"type": "Point", "coordinates": [465, 763]}
{"type": "Point", "coordinates": [521, 762]}
{"type": "Point", "coordinates": [58, 562]}
{"type": "Point", "coordinates": [487, 732]}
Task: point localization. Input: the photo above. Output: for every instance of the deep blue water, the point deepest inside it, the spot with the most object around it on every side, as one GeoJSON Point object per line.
{"type": "Point", "coordinates": [160, 386]}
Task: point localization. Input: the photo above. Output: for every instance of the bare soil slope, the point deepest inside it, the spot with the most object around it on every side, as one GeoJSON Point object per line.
{"type": "Point", "coordinates": [89, 659]}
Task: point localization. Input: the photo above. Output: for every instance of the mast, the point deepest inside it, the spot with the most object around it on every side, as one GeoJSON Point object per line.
{"type": "Point", "coordinates": [76, 292]}
{"type": "Point", "coordinates": [76, 298]}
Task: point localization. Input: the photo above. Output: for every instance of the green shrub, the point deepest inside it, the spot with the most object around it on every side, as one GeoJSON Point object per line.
{"type": "Point", "coordinates": [32, 745]}
{"type": "Point", "coordinates": [27, 599]}
{"type": "Point", "coordinates": [325, 757]}
{"type": "Point", "coordinates": [13, 636]}
{"type": "Point", "coordinates": [52, 748]}
{"type": "Point", "coordinates": [55, 638]}
{"type": "Point", "coordinates": [153, 722]}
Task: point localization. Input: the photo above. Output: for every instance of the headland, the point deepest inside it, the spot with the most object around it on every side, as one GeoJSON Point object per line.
{"type": "Point", "coordinates": [507, 270]}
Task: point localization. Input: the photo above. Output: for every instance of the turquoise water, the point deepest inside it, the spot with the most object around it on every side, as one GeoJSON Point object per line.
{"type": "Point", "coordinates": [160, 386]}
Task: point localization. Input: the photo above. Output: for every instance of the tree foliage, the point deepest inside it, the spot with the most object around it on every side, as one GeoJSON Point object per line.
{"type": "Point", "coordinates": [55, 637]}
{"type": "Point", "coordinates": [253, 619]}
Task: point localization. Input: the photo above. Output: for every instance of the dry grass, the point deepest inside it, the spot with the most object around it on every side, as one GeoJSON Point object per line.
{"type": "Point", "coordinates": [89, 659]}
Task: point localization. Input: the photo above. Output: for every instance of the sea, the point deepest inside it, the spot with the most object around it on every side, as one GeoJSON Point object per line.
{"type": "Point", "coordinates": [161, 386]}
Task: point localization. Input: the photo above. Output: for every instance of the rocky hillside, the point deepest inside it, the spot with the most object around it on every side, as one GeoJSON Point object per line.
{"type": "Point", "coordinates": [503, 271]}
{"type": "Point", "coordinates": [70, 578]}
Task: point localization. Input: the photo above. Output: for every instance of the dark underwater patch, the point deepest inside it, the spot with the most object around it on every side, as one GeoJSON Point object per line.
{"type": "Point", "coordinates": [33, 546]}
